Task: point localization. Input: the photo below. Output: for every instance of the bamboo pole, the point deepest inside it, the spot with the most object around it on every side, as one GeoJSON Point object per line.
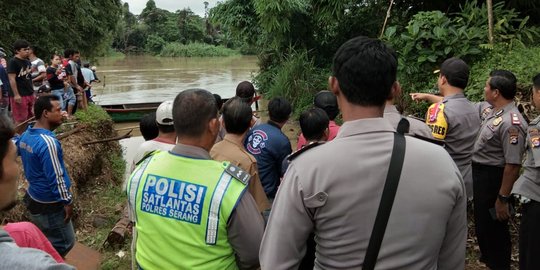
{"type": "Point", "coordinates": [386, 18]}
{"type": "Point", "coordinates": [490, 20]}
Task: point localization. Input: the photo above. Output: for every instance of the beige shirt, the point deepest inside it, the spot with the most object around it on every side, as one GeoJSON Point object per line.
{"type": "Point", "coordinates": [334, 191]}
{"type": "Point", "coordinates": [228, 150]}
{"type": "Point", "coordinates": [416, 127]}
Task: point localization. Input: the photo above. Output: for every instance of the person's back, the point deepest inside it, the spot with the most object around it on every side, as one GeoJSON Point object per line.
{"type": "Point", "coordinates": [425, 203]}
{"type": "Point", "coordinates": [335, 190]}
{"type": "Point", "coordinates": [268, 144]}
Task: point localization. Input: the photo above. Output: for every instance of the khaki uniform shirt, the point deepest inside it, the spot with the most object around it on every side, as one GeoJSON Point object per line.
{"type": "Point", "coordinates": [463, 124]}
{"type": "Point", "coordinates": [416, 127]}
{"type": "Point", "coordinates": [502, 136]}
{"type": "Point", "coordinates": [528, 184]}
{"type": "Point", "coordinates": [334, 191]}
{"type": "Point", "coordinates": [228, 150]}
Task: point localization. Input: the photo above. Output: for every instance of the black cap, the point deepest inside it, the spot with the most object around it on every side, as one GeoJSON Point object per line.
{"type": "Point", "coordinates": [327, 101]}
{"type": "Point", "coordinates": [456, 72]}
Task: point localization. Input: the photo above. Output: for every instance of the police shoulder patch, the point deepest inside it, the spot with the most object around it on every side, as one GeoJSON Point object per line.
{"type": "Point", "coordinates": [514, 135]}
{"type": "Point", "coordinates": [303, 150]}
{"type": "Point", "coordinates": [237, 173]}
{"type": "Point", "coordinates": [147, 155]}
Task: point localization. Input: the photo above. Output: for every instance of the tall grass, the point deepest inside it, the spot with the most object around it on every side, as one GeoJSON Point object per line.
{"type": "Point", "coordinates": [296, 78]}
{"type": "Point", "coordinates": [175, 49]}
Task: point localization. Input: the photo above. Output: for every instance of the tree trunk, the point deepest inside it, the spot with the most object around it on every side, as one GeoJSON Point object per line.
{"type": "Point", "coordinates": [386, 19]}
{"type": "Point", "coordinates": [490, 21]}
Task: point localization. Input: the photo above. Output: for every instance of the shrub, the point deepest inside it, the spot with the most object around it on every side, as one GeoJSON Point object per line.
{"type": "Point", "coordinates": [175, 49]}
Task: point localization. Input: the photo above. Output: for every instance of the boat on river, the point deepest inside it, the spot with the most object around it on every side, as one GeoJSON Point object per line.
{"type": "Point", "coordinates": [132, 112]}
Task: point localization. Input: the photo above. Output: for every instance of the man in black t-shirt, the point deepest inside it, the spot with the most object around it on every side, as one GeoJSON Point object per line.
{"type": "Point", "coordinates": [22, 94]}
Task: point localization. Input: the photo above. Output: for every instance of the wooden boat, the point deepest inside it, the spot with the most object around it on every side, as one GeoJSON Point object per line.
{"type": "Point", "coordinates": [130, 112]}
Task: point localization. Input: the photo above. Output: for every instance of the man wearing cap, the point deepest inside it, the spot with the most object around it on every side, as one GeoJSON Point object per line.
{"type": "Point", "coordinates": [333, 190]}
{"type": "Point", "coordinates": [22, 94]}
{"type": "Point", "coordinates": [192, 212]}
{"type": "Point", "coordinates": [326, 101]}
{"type": "Point", "coordinates": [246, 92]}
{"type": "Point", "coordinates": [453, 118]}
{"type": "Point", "coordinates": [497, 158]}
{"type": "Point", "coordinates": [166, 138]}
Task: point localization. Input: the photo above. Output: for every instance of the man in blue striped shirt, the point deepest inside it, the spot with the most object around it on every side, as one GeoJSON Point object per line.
{"type": "Point", "coordinates": [48, 198]}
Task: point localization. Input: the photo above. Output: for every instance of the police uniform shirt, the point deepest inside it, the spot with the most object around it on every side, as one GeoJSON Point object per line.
{"type": "Point", "coordinates": [459, 128]}
{"type": "Point", "coordinates": [528, 184]}
{"type": "Point", "coordinates": [416, 127]}
{"type": "Point", "coordinates": [502, 136]}
{"type": "Point", "coordinates": [334, 190]}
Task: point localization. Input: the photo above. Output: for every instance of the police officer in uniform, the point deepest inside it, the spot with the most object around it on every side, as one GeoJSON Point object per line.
{"type": "Point", "coordinates": [496, 162]}
{"type": "Point", "coordinates": [453, 118]}
{"type": "Point", "coordinates": [190, 211]}
{"type": "Point", "coordinates": [333, 190]}
{"type": "Point", "coordinates": [528, 188]}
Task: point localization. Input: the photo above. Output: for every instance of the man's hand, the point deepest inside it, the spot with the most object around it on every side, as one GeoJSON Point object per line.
{"type": "Point", "coordinates": [69, 212]}
{"type": "Point", "coordinates": [502, 210]}
{"type": "Point", "coordinates": [17, 99]}
{"type": "Point", "coordinates": [418, 96]}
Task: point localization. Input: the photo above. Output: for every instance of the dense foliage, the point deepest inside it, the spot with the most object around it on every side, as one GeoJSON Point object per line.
{"type": "Point", "coordinates": [292, 34]}
{"type": "Point", "coordinates": [156, 29]}
{"type": "Point", "coordinates": [59, 24]}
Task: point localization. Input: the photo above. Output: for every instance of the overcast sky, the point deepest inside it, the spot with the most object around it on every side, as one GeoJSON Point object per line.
{"type": "Point", "coordinates": [197, 6]}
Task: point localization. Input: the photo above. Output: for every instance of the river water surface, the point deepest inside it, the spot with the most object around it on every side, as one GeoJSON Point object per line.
{"type": "Point", "coordinates": [142, 78]}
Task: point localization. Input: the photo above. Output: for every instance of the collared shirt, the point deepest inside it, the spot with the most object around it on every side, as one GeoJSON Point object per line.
{"type": "Point", "coordinates": [502, 136]}
{"type": "Point", "coordinates": [229, 150]}
{"type": "Point", "coordinates": [334, 191]}
{"type": "Point", "coordinates": [528, 184]}
{"type": "Point", "coordinates": [333, 129]}
{"type": "Point", "coordinates": [416, 127]}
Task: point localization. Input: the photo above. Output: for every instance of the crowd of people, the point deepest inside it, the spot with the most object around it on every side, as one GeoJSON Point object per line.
{"type": "Point", "coordinates": [25, 77]}
{"type": "Point", "coordinates": [214, 187]}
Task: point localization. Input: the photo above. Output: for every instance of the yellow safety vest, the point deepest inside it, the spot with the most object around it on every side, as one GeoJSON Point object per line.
{"type": "Point", "coordinates": [182, 206]}
{"type": "Point", "coordinates": [436, 121]}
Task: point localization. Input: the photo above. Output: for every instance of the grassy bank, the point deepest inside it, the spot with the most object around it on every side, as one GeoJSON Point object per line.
{"type": "Point", "coordinates": [195, 50]}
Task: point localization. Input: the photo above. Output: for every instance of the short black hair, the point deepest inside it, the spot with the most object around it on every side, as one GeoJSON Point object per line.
{"type": "Point", "coordinates": [192, 110]}
{"type": "Point", "coordinates": [313, 123]}
{"type": "Point", "coordinates": [456, 72]}
{"type": "Point", "coordinates": [245, 90]}
{"type": "Point", "coordinates": [20, 44]}
{"type": "Point", "coordinates": [365, 69]}
{"type": "Point", "coordinates": [70, 52]}
{"type": "Point", "coordinates": [237, 116]}
{"type": "Point", "coordinates": [279, 109]}
{"type": "Point", "coordinates": [55, 54]}
{"type": "Point", "coordinates": [148, 126]}
{"type": "Point", "coordinates": [536, 81]}
{"type": "Point", "coordinates": [44, 103]}
{"type": "Point", "coordinates": [165, 128]}
{"type": "Point", "coordinates": [219, 101]}
{"type": "Point", "coordinates": [6, 133]}
{"type": "Point", "coordinates": [505, 81]}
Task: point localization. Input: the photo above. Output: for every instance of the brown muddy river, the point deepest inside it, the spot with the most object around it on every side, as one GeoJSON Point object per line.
{"type": "Point", "coordinates": [141, 78]}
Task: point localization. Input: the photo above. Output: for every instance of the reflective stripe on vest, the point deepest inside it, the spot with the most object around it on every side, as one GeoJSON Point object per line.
{"type": "Point", "coordinates": [213, 212]}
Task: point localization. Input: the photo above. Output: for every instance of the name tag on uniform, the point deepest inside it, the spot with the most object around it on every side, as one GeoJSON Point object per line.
{"type": "Point", "coordinates": [173, 198]}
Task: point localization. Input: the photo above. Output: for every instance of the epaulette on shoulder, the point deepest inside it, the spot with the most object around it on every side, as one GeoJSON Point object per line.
{"type": "Point", "coordinates": [515, 119]}
{"type": "Point", "coordinates": [147, 155]}
{"type": "Point", "coordinates": [238, 174]}
{"type": "Point", "coordinates": [296, 154]}
{"type": "Point", "coordinates": [429, 140]}
{"type": "Point", "coordinates": [535, 121]}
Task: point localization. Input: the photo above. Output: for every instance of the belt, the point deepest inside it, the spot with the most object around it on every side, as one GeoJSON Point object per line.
{"type": "Point", "coordinates": [36, 207]}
